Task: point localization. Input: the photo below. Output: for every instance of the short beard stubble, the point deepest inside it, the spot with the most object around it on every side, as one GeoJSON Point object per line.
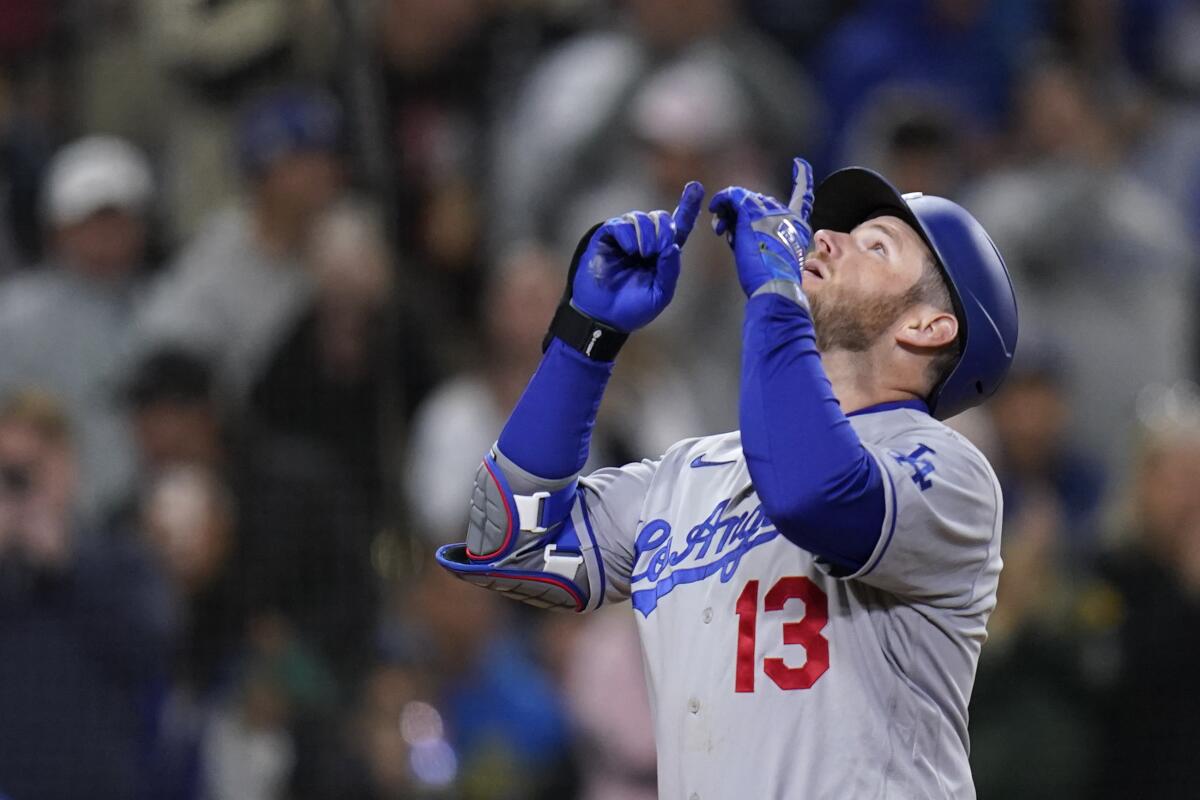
{"type": "Point", "coordinates": [854, 321]}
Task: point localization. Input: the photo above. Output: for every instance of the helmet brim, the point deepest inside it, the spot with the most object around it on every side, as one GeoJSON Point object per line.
{"type": "Point", "coordinates": [850, 196]}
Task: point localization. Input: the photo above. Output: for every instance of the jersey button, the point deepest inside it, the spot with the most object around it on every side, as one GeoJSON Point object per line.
{"type": "Point", "coordinates": [707, 616]}
{"type": "Point", "coordinates": [694, 705]}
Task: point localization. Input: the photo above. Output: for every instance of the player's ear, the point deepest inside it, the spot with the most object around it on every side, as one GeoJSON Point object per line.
{"type": "Point", "coordinates": [927, 328]}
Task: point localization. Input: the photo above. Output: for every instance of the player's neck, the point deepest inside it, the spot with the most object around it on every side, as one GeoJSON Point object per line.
{"type": "Point", "coordinates": [863, 379]}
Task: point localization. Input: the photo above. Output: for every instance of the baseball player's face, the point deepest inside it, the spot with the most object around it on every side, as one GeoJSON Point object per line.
{"type": "Point", "coordinates": [858, 282]}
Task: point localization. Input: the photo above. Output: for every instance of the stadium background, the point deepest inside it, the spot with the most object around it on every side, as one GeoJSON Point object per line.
{"type": "Point", "coordinates": [252, 349]}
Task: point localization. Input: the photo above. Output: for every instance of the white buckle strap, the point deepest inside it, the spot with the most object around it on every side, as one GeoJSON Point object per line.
{"type": "Point", "coordinates": [563, 566]}
{"type": "Point", "coordinates": [529, 511]}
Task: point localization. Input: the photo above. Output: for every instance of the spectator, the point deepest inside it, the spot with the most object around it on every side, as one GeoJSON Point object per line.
{"type": "Point", "coordinates": [215, 57]}
{"type": "Point", "coordinates": [83, 627]}
{"type": "Point", "coordinates": [1152, 722]}
{"type": "Point", "coordinates": [66, 326]}
{"type": "Point", "coordinates": [1103, 36]}
{"type": "Point", "coordinates": [237, 288]}
{"type": "Point", "coordinates": [610, 710]}
{"type": "Point", "coordinates": [354, 365]}
{"type": "Point", "coordinates": [1070, 221]}
{"type": "Point", "coordinates": [1033, 710]}
{"type": "Point", "coordinates": [913, 139]}
{"type": "Point", "coordinates": [503, 714]}
{"type": "Point", "coordinates": [439, 62]}
{"type": "Point", "coordinates": [299, 532]}
{"type": "Point", "coordinates": [1035, 457]}
{"type": "Point", "coordinates": [252, 742]}
{"type": "Point", "coordinates": [186, 518]}
{"type": "Point", "coordinates": [240, 695]}
{"type": "Point", "coordinates": [568, 122]}
{"type": "Point", "coordinates": [961, 53]}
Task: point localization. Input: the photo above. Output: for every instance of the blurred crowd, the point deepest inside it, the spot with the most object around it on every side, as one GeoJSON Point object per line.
{"type": "Point", "coordinates": [273, 272]}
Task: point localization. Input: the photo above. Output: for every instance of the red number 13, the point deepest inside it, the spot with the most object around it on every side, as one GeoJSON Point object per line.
{"type": "Point", "coordinates": [805, 632]}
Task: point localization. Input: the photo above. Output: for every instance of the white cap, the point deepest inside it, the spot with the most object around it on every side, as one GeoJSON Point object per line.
{"type": "Point", "coordinates": [94, 173]}
{"type": "Point", "coordinates": [693, 103]}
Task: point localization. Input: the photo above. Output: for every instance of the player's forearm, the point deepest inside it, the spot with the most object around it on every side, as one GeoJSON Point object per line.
{"type": "Point", "coordinates": [527, 534]}
{"type": "Point", "coordinates": [550, 429]}
{"type": "Point", "coordinates": [630, 266]}
{"type": "Point", "coordinates": [528, 529]}
{"type": "Point", "coordinates": [817, 482]}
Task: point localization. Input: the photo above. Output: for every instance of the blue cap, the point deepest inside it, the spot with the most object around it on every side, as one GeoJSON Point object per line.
{"type": "Point", "coordinates": [284, 122]}
{"type": "Point", "coordinates": [975, 274]}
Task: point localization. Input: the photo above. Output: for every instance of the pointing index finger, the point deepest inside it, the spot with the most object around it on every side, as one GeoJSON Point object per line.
{"type": "Point", "coordinates": [802, 189]}
{"type": "Point", "coordinates": [686, 212]}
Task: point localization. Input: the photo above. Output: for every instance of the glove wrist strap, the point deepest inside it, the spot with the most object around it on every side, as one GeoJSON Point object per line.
{"type": "Point", "coordinates": [591, 337]}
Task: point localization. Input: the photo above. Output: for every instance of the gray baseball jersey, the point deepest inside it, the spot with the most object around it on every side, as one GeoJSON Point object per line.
{"type": "Point", "coordinates": [770, 675]}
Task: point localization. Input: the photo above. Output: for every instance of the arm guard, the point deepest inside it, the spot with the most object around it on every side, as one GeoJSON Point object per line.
{"type": "Point", "coordinates": [537, 548]}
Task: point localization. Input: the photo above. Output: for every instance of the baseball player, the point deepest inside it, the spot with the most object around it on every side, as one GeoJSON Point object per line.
{"type": "Point", "coordinates": [812, 590]}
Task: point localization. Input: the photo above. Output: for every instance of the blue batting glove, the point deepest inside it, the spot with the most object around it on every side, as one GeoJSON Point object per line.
{"type": "Point", "coordinates": [768, 239]}
{"type": "Point", "coordinates": [628, 271]}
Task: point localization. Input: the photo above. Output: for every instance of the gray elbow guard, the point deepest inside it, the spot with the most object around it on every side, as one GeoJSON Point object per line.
{"type": "Point", "coordinates": [534, 548]}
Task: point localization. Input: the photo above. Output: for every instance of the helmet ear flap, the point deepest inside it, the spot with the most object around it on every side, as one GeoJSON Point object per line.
{"type": "Point", "coordinates": [984, 302]}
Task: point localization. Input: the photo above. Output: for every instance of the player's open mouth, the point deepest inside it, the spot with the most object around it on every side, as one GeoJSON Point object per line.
{"type": "Point", "coordinates": [812, 270]}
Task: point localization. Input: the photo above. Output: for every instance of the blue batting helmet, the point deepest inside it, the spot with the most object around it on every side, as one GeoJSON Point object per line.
{"type": "Point", "coordinates": [980, 287]}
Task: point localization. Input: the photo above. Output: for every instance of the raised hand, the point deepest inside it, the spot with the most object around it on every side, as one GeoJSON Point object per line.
{"type": "Point", "coordinates": [628, 272]}
{"type": "Point", "coordinates": [768, 239]}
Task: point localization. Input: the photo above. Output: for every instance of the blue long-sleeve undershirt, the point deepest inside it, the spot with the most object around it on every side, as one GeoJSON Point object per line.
{"type": "Point", "coordinates": [817, 483]}
{"type": "Point", "coordinates": [549, 431]}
